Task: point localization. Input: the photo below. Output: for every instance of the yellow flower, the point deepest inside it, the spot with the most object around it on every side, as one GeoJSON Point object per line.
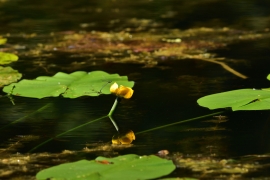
{"type": "Point", "coordinates": [121, 91]}
{"type": "Point", "coordinates": [123, 138]}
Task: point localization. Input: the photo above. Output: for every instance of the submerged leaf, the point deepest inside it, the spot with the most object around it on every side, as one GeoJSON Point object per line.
{"type": "Point", "coordinates": [8, 75]}
{"type": "Point", "coordinates": [242, 99]}
{"type": "Point", "coordinates": [72, 85]}
{"type": "Point", "coordinates": [131, 167]}
{"type": "Point", "coordinates": [6, 58]}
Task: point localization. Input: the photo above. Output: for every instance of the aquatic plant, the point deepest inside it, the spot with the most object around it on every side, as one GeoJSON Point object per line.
{"type": "Point", "coordinates": [121, 91]}
{"type": "Point", "coordinates": [6, 58]}
{"type": "Point", "coordinates": [75, 85]}
{"type": "Point", "coordinates": [129, 166]}
{"type": "Point", "coordinates": [71, 85]}
{"type": "Point", "coordinates": [94, 83]}
{"type": "Point", "coordinates": [8, 75]}
{"type": "Point", "coordinates": [241, 99]}
{"type": "Point", "coordinates": [79, 84]}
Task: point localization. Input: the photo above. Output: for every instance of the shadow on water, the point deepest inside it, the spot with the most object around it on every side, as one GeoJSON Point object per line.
{"type": "Point", "coordinates": [164, 94]}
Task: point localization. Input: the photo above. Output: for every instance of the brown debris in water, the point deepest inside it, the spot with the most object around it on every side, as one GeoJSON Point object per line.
{"type": "Point", "coordinates": [147, 48]}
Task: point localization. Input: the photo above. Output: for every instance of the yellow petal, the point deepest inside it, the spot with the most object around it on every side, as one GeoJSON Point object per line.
{"type": "Point", "coordinates": [115, 139]}
{"type": "Point", "coordinates": [130, 134]}
{"type": "Point", "coordinates": [124, 92]}
{"type": "Point", "coordinates": [114, 88]}
{"type": "Point", "coordinates": [124, 138]}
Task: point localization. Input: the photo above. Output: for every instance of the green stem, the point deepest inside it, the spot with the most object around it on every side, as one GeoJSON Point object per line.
{"type": "Point", "coordinates": [113, 107]}
{"type": "Point", "coordinates": [9, 95]}
{"type": "Point", "coordinates": [179, 122]}
{"type": "Point", "coordinates": [39, 110]}
{"type": "Point", "coordinates": [58, 135]}
{"type": "Point", "coordinates": [11, 99]}
{"type": "Point", "coordinates": [114, 123]}
{"type": "Point", "coordinates": [77, 127]}
{"type": "Point", "coordinates": [111, 112]}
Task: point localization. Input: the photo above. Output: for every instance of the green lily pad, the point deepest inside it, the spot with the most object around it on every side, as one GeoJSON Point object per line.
{"type": "Point", "coordinates": [72, 85]}
{"type": "Point", "coordinates": [242, 99]}
{"type": "Point", "coordinates": [8, 75]}
{"type": "Point", "coordinates": [131, 167]}
{"type": "Point", "coordinates": [6, 58]}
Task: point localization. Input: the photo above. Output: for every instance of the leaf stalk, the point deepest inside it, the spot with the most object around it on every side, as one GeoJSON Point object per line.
{"type": "Point", "coordinates": [111, 112]}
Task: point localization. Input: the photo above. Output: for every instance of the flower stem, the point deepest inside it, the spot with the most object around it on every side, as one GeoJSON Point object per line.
{"type": "Point", "coordinates": [114, 123]}
{"type": "Point", "coordinates": [31, 114]}
{"type": "Point", "coordinates": [61, 134]}
{"type": "Point", "coordinates": [77, 127]}
{"type": "Point", "coordinates": [113, 107]}
{"type": "Point", "coordinates": [111, 112]}
{"type": "Point", "coordinates": [179, 122]}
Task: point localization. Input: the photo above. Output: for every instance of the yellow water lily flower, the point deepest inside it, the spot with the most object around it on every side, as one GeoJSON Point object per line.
{"type": "Point", "coordinates": [121, 91]}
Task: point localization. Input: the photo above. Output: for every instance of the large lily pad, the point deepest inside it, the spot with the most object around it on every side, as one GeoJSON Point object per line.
{"type": "Point", "coordinates": [242, 99]}
{"type": "Point", "coordinates": [122, 167]}
{"type": "Point", "coordinates": [72, 85]}
{"type": "Point", "coordinates": [6, 58]}
{"type": "Point", "coordinates": [8, 75]}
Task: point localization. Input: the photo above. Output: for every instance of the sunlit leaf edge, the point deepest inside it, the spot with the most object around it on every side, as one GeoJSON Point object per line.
{"type": "Point", "coordinates": [8, 75]}
{"type": "Point", "coordinates": [7, 58]}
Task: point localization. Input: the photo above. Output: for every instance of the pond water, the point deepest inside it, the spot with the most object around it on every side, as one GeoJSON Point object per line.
{"type": "Point", "coordinates": [164, 93]}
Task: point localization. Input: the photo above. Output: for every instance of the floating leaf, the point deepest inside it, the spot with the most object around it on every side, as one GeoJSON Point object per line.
{"type": "Point", "coordinates": [8, 75]}
{"type": "Point", "coordinates": [131, 167]}
{"type": "Point", "coordinates": [6, 58]}
{"type": "Point", "coordinates": [268, 77]}
{"type": "Point", "coordinates": [123, 138]}
{"type": "Point", "coordinates": [72, 85]}
{"type": "Point", "coordinates": [242, 99]}
{"type": "Point", "coordinates": [3, 40]}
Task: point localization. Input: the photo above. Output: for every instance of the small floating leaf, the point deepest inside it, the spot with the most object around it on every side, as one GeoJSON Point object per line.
{"type": "Point", "coordinates": [131, 167]}
{"type": "Point", "coordinates": [8, 75]}
{"type": "Point", "coordinates": [72, 85]}
{"type": "Point", "coordinates": [6, 58]}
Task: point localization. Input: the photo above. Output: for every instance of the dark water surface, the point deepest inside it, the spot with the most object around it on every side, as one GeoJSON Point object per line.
{"type": "Point", "coordinates": [47, 15]}
{"type": "Point", "coordinates": [164, 94]}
